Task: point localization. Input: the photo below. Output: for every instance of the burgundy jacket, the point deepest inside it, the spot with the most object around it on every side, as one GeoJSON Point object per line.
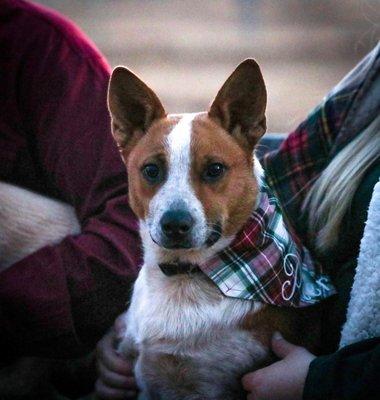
{"type": "Point", "coordinates": [55, 139]}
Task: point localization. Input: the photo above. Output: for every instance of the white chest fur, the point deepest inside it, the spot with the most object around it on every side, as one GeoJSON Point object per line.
{"type": "Point", "coordinates": [180, 307]}
{"type": "Point", "coordinates": [187, 319]}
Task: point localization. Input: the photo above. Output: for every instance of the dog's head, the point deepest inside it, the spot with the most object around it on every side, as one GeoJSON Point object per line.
{"type": "Point", "coordinates": [191, 178]}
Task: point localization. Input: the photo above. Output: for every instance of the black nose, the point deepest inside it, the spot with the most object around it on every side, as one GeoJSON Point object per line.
{"type": "Point", "coordinates": [176, 224]}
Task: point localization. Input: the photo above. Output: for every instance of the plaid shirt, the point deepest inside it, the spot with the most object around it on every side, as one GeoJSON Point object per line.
{"type": "Point", "coordinates": [266, 262]}
{"type": "Point", "coordinates": [346, 111]}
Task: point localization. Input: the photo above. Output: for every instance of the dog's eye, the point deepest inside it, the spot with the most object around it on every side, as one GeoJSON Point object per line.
{"type": "Point", "coordinates": [213, 172]}
{"type": "Point", "coordinates": [152, 173]}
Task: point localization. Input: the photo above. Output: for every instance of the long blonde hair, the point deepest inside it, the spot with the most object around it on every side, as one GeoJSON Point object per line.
{"type": "Point", "coordinates": [331, 194]}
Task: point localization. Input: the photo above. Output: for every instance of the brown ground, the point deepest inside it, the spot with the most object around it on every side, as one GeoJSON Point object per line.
{"type": "Point", "coordinates": [185, 49]}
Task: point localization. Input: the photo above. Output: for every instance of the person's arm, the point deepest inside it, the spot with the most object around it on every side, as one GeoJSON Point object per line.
{"type": "Point", "coordinates": [351, 373]}
{"type": "Point", "coordinates": [62, 298]}
{"type": "Point", "coordinates": [344, 112]}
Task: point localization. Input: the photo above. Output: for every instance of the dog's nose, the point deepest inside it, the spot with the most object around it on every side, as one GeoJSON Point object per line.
{"type": "Point", "coordinates": [176, 224]}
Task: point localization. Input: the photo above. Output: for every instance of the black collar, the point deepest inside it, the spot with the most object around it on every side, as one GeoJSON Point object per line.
{"type": "Point", "coordinates": [170, 269]}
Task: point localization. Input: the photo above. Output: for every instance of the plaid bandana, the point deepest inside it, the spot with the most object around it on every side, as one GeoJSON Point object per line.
{"type": "Point", "coordinates": [266, 262]}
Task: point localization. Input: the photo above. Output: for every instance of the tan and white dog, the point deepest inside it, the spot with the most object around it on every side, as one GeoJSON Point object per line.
{"type": "Point", "coordinates": [192, 186]}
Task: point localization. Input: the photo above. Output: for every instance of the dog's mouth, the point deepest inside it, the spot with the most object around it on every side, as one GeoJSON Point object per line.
{"type": "Point", "coordinates": [215, 234]}
{"type": "Point", "coordinates": [176, 246]}
{"type": "Point", "coordinates": [172, 245]}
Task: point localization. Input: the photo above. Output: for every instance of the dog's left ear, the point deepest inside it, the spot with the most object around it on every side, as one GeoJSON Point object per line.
{"type": "Point", "coordinates": [239, 106]}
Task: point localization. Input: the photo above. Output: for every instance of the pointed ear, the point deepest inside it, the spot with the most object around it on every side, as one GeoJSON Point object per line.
{"type": "Point", "coordinates": [133, 107]}
{"type": "Point", "coordinates": [239, 106]}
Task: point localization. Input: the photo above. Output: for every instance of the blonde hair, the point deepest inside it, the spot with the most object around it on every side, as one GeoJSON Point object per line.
{"type": "Point", "coordinates": [331, 194]}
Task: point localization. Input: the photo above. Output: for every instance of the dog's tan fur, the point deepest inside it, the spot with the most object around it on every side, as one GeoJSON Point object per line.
{"type": "Point", "coordinates": [188, 340]}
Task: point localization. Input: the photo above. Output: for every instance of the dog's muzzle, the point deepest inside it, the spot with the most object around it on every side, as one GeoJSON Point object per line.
{"type": "Point", "coordinates": [177, 231]}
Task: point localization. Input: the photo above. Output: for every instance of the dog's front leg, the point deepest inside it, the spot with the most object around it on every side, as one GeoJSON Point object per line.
{"type": "Point", "coordinates": [128, 349]}
{"type": "Point", "coordinates": [128, 344]}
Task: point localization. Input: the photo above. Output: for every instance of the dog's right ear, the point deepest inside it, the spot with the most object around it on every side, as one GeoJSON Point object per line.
{"type": "Point", "coordinates": [133, 107]}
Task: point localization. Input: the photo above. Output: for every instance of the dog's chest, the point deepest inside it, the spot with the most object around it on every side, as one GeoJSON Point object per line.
{"type": "Point", "coordinates": [181, 321]}
{"type": "Point", "coordinates": [180, 308]}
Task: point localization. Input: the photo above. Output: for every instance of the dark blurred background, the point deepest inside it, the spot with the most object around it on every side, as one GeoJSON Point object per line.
{"type": "Point", "coordinates": [186, 49]}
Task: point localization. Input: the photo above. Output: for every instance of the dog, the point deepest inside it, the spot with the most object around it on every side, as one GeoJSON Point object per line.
{"type": "Point", "coordinates": [193, 183]}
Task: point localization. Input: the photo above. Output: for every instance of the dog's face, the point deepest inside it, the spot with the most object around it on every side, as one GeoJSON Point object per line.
{"type": "Point", "coordinates": [191, 178]}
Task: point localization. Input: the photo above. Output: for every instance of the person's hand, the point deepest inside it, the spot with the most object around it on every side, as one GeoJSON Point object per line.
{"type": "Point", "coordinates": [283, 380]}
{"type": "Point", "coordinates": [116, 380]}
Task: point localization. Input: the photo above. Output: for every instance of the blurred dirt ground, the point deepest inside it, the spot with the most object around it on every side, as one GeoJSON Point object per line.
{"type": "Point", "coordinates": [186, 49]}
